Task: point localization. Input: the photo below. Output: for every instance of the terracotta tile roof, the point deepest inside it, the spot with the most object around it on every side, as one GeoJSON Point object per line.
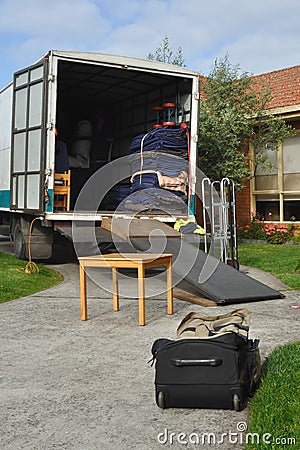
{"type": "Point", "coordinates": [285, 86]}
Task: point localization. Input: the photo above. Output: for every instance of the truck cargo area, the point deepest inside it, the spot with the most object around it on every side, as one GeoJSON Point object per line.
{"type": "Point", "coordinates": [118, 103]}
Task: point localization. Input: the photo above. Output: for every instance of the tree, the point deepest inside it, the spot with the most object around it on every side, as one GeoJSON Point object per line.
{"type": "Point", "coordinates": [165, 54]}
{"type": "Point", "coordinates": [233, 114]}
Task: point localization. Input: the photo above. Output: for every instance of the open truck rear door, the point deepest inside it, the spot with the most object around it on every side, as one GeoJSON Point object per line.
{"type": "Point", "coordinates": [28, 136]}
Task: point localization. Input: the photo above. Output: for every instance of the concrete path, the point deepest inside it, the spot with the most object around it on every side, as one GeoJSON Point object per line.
{"type": "Point", "coordinates": [68, 384]}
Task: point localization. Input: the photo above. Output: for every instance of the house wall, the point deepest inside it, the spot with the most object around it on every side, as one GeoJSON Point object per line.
{"type": "Point", "coordinates": [282, 184]}
{"type": "Point", "coordinates": [277, 185]}
{"type": "Point", "coordinates": [243, 206]}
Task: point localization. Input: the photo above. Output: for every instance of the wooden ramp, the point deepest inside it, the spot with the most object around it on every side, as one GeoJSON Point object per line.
{"type": "Point", "coordinates": [208, 277]}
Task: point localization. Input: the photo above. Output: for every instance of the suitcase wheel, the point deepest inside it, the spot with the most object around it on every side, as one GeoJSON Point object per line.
{"type": "Point", "coordinates": [236, 402]}
{"type": "Point", "coordinates": [161, 399]}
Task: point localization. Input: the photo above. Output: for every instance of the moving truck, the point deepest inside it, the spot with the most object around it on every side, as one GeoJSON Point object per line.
{"type": "Point", "coordinates": [69, 95]}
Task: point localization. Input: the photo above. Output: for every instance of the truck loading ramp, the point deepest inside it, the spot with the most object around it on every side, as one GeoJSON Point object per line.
{"type": "Point", "coordinates": [199, 272]}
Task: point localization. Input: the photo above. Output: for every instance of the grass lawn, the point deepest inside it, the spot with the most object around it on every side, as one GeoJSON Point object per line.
{"type": "Point", "coordinates": [275, 408]}
{"type": "Point", "coordinates": [15, 283]}
{"type": "Point", "coordinates": [279, 260]}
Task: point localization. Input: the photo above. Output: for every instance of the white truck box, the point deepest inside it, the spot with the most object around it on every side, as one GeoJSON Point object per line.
{"type": "Point", "coordinates": [56, 93]}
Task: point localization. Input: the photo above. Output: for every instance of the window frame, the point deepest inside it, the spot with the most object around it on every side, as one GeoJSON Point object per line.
{"type": "Point", "coordinates": [280, 192]}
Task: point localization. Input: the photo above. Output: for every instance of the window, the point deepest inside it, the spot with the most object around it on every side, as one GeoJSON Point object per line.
{"type": "Point", "coordinates": [268, 207]}
{"type": "Point", "coordinates": [276, 187]}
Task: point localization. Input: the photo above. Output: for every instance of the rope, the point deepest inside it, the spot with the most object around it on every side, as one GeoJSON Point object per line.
{"type": "Point", "coordinates": [142, 148]}
{"type": "Point", "coordinates": [31, 267]}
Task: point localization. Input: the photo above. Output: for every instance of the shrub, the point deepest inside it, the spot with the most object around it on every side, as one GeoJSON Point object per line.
{"type": "Point", "coordinates": [273, 233]}
{"type": "Point", "coordinates": [278, 233]}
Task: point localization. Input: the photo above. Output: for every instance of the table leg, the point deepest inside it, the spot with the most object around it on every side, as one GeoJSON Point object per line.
{"type": "Point", "coordinates": [169, 287]}
{"type": "Point", "coordinates": [83, 301]}
{"type": "Point", "coordinates": [115, 288]}
{"type": "Point", "coordinates": [141, 290]}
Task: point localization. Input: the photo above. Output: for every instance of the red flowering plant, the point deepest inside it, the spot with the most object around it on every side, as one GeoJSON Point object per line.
{"type": "Point", "coordinates": [258, 229]}
{"type": "Point", "coordinates": [253, 230]}
{"type": "Point", "coordinates": [278, 233]}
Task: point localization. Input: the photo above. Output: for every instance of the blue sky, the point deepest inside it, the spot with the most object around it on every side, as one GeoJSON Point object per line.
{"type": "Point", "coordinates": [259, 35]}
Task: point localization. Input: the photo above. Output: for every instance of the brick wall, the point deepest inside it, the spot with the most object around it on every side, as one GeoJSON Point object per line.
{"type": "Point", "coordinates": [243, 213]}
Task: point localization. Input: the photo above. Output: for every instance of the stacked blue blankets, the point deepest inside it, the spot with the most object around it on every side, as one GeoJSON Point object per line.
{"type": "Point", "coordinates": [168, 139]}
{"type": "Point", "coordinates": [166, 163]}
{"type": "Point", "coordinates": [159, 171]}
{"type": "Point", "coordinates": [144, 180]}
{"type": "Point", "coordinates": [116, 195]}
{"type": "Point", "coordinates": [158, 200]}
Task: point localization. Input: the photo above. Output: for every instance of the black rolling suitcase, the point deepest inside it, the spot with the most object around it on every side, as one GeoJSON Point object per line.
{"type": "Point", "coordinates": [212, 364]}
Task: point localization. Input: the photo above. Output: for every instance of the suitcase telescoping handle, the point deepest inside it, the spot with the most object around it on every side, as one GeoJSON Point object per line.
{"type": "Point", "coordinates": [213, 362]}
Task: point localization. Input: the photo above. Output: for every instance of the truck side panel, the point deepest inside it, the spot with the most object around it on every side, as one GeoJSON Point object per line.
{"type": "Point", "coordinates": [5, 145]}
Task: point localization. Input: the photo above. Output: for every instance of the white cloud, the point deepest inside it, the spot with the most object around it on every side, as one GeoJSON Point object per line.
{"type": "Point", "coordinates": [29, 29]}
{"type": "Point", "coordinates": [275, 53]}
{"type": "Point", "coordinates": [65, 17]}
{"type": "Point", "coordinates": [119, 11]}
{"type": "Point", "coordinates": [259, 35]}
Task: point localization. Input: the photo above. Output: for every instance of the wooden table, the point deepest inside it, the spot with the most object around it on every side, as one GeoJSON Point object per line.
{"type": "Point", "coordinates": [115, 261]}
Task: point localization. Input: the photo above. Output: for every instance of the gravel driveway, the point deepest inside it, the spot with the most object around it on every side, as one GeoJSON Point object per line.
{"type": "Point", "coordinates": [68, 384]}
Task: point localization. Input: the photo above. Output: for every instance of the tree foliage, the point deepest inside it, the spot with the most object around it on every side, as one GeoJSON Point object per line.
{"type": "Point", "coordinates": [165, 54]}
{"type": "Point", "coordinates": [233, 113]}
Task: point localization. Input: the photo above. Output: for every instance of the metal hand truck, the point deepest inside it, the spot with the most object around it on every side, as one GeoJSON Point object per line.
{"type": "Point", "coordinates": [219, 219]}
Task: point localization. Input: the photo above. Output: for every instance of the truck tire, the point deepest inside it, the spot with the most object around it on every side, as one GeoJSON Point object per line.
{"type": "Point", "coordinates": [20, 246]}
